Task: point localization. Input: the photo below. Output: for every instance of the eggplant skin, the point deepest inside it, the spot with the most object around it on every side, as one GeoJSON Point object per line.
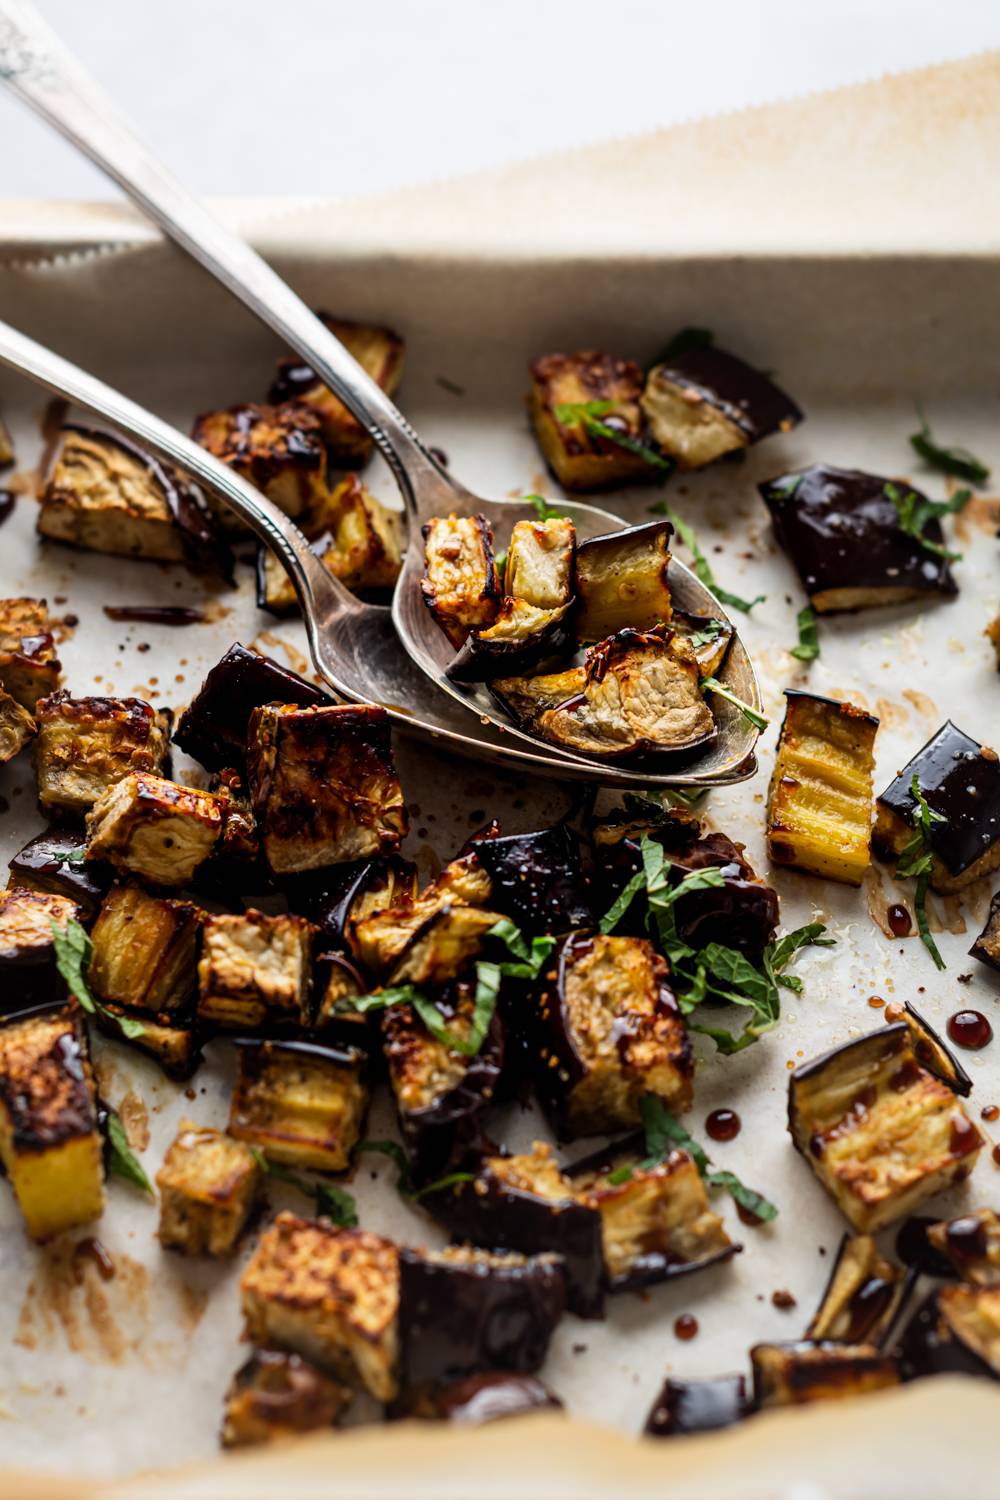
{"type": "Point", "coordinates": [794, 1374]}
{"type": "Point", "coordinates": [863, 1297]}
{"type": "Point", "coordinates": [960, 780]}
{"type": "Point", "coordinates": [525, 1203]}
{"type": "Point", "coordinates": [607, 1030]}
{"type": "Point", "coordinates": [278, 1395]}
{"type": "Point", "coordinates": [337, 898]}
{"type": "Point", "coordinates": [621, 581]}
{"type": "Point", "coordinates": [880, 1132]}
{"type": "Point", "coordinates": [987, 945]}
{"type": "Point", "coordinates": [463, 1311]}
{"type": "Point", "coordinates": [932, 1053]}
{"type": "Point", "coordinates": [704, 403]}
{"type": "Point", "coordinates": [30, 976]}
{"type": "Point", "coordinates": [477, 1399]}
{"type": "Point", "coordinates": [843, 536]}
{"type": "Point", "coordinates": [29, 667]}
{"type": "Point", "coordinates": [955, 1330]}
{"type": "Point", "coordinates": [685, 1406]}
{"type": "Point", "coordinates": [819, 804]}
{"type": "Point", "coordinates": [441, 1095]}
{"type": "Point", "coordinates": [213, 728]}
{"type": "Point", "coordinates": [970, 1245]}
{"type": "Point", "coordinates": [44, 865]}
{"type": "Point", "coordinates": [537, 879]}
{"type": "Point", "coordinates": [460, 585]}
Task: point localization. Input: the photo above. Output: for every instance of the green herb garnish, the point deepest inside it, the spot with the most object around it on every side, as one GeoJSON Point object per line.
{"type": "Point", "coordinates": [914, 514]}
{"type": "Point", "coordinates": [118, 1155]}
{"type": "Point", "coordinates": [958, 462]}
{"type": "Point", "coordinates": [404, 1180]}
{"type": "Point", "coordinates": [683, 340]}
{"type": "Point", "coordinates": [701, 566]}
{"type": "Point", "coordinates": [808, 647]}
{"type": "Point", "coordinates": [915, 860]}
{"type": "Point", "coordinates": [588, 415]}
{"type": "Point", "coordinates": [543, 510]}
{"type": "Point", "coordinates": [750, 714]}
{"type": "Point", "coordinates": [74, 950]}
{"type": "Point", "coordinates": [709, 632]}
{"type": "Point", "coordinates": [663, 1132]}
{"type": "Point", "coordinates": [333, 1203]}
{"type": "Point", "coordinates": [785, 487]}
{"type": "Point", "coordinates": [451, 386]}
{"type": "Point", "coordinates": [74, 856]}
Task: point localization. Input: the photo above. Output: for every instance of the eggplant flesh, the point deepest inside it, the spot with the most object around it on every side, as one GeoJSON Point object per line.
{"type": "Point", "coordinates": [622, 582]}
{"type": "Point", "coordinates": [796, 1373]}
{"type": "Point", "coordinates": [932, 1053]}
{"type": "Point", "coordinates": [705, 402]}
{"type": "Point", "coordinates": [460, 585]}
{"type": "Point", "coordinates": [971, 1245]}
{"type": "Point", "coordinates": [213, 728]}
{"type": "Point", "coordinates": [465, 1311]}
{"type": "Point", "coordinates": [685, 1406]}
{"type": "Point", "coordinates": [863, 1297]}
{"type": "Point", "coordinates": [960, 780]}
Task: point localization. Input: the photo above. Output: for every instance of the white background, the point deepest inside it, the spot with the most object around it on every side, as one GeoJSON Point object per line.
{"type": "Point", "coordinates": [325, 97]}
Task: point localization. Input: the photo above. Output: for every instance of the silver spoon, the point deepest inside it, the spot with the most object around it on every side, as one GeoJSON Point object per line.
{"type": "Point", "coordinates": [43, 73]}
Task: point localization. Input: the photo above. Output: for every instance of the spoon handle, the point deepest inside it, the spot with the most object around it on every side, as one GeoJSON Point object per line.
{"type": "Point", "coordinates": [40, 70]}
{"type": "Point", "coordinates": [323, 598]}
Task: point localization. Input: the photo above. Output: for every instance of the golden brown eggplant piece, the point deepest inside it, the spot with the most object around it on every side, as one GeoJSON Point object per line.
{"type": "Point", "coordinates": [331, 1295]}
{"type": "Point", "coordinates": [17, 728]}
{"type": "Point", "coordinates": [254, 970]}
{"type": "Point", "coordinates": [278, 1395]}
{"type": "Point", "coordinates": [324, 785]}
{"type": "Point", "coordinates": [145, 951]}
{"type": "Point", "coordinates": [303, 1103]}
{"type": "Point", "coordinates": [819, 809]}
{"type": "Point", "coordinates": [355, 537]}
{"type": "Point", "coordinates": [796, 1373]}
{"type": "Point", "coordinates": [460, 584]}
{"type": "Point", "coordinates": [378, 350]}
{"type": "Point", "coordinates": [880, 1132]}
{"type": "Point", "coordinates": [621, 581]}
{"type": "Point", "coordinates": [972, 1245]}
{"type": "Point", "coordinates": [50, 1143]}
{"type": "Point", "coordinates": [638, 694]}
{"type": "Point", "coordinates": [154, 828]}
{"type": "Point", "coordinates": [277, 449]}
{"type": "Point", "coordinates": [86, 745]}
{"type": "Point", "coordinates": [29, 667]}
{"type": "Point", "coordinates": [208, 1187]}
{"type": "Point", "coordinates": [381, 938]}
{"type": "Point", "coordinates": [863, 1297]}
{"type": "Point", "coordinates": [29, 975]}
{"type": "Point", "coordinates": [580, 456]}
{"type": "Point", "coordinates": [704, 403]}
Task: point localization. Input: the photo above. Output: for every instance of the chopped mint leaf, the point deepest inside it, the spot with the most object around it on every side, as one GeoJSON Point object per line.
{"type": "Point", "coordinates": [958, 462]}
{"type": "Point", "coordinates": [808, 647]}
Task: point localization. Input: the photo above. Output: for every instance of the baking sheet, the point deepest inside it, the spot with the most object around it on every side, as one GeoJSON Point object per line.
{"type": "Point", "coordinates": [105, 1378]}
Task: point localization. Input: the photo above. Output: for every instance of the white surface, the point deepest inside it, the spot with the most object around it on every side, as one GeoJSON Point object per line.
{"type": "Point", "coordinates": [330, 98]}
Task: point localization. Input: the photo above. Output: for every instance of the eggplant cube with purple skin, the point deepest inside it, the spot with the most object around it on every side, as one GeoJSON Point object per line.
{"type": "Point", "coordinates": [403, 932]}
{"type": "Point", "coordinates": [303, 1103]}
{"type": "Point", "coordinates": [87, 745]}
{"type": "Point", "coordinates": [277, 449]}
{"type": "Point", "coordinates": [607, 1030]}
{"type": "Point", "coordinates": [51, 862]}
{"type": "Point", "coordinates": [378, 350]}
{"type": "Point", "coordinates": [460, 585]}
{"type": "Point", "coordinates": [863, 1297]}
{"type": "Point", "coordinates": [685, 1406]}
{"type": "Point", "coordinates": [330, 1295]}
{"type": "Point", "coordinates": [795, 1374]}
{"type": "Point", "coordinates": [704, 403]}
{"type": "Point", "coordinates": [464, 1310]}
{"type": "Point", "coordinates": [145, 951]}
{"type": "Point", "coordinates": [30, 975]}
{"type": "Point", "coordinates": [29, 667]}
{"type": "Point", "coordinates": [208, 1187]}
{"type": "Point", "coordinates": [214, 726]}
{"type": "Point", "coordinates": [355, 537]}
{"type": "Point", "coordinates": [581, 405]}
{"type": "Point", "coordinates": [622, 582]}
{"type": "Point", "coordinates": [278, 1395]}
{"type": "Point", "coordinates": [880, 1131]}
{"type": "Point", "coordinates": [324, 785]}
{"type": "Point", "coordinates": [254, 969]}
{"type": "Point", "coordinates": [154, 828]}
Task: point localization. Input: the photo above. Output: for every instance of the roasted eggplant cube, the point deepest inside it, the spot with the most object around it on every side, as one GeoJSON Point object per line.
{"type": "Point", "coordinates": [460, 584]}
{"type": "Point", "coordinates": [103, 495]}
{"type": "Point", "coordinates": [621, 581]}
{"type": "Point", "coordinates": [168, 1037]}
{"type": "Point", "coordinates": [931, 1052]}
{"type": "Point", "coordinates": [686, 1406]}
{"type": "Point", "coordinates": [17, 728]}
{"type": "Point", "coordinates": [378, 350]}
{"type": "Point", "coordinates": [154, 828]}
{"type": "Point", "coordinates": [819, 807]}
{"type": "Point", "coordinates": [656, 1224]}
{"type": "Point", "coordinates": [355, 537]}
{"type": "Point", "coordinates": [324, 785]}
{"type": "Point", "coordinates": [385, 937]}
{"type": "Point", "coordinates": [843, 536]}
{"type": "Point", "coordinates": [443, 946]}
{"type": "Point", "coordinates": [707, 635]}
{"type": "Point", "coordinates": [704, 403]}
{"type": "Point", "coordinates": [51, 862]}
{"type": "Point", "coordinates": [441, 1094]}
{"type": "Point", "coordinates": [208, 1186]}
{"type": "Point", "coordinates": [30, 976]}
{"type": "Point", "coordinates": [639, 694]}
{"type": "Point", "coordinates": [537, 880]}
{"type": "Point", "coordinates": [277, 449]}
{"type": "Point", "coordinates": [796, 1373]}
{"type": "Point", "coordinates": [86, 745]}
{"type": "Point", "coordinates": [336, 899]}
{"type": "Point", "coordinates": [971, 1245]}
{"type": "Point", "coordinates": [581, 456]}
{"type": "Point", "coordinates": [608, 1031]}
{"type": "Point", "coordinates": [462, 1311]}
{"type": "Point", "coordinates": [254, 970]}
{"type": "Point", "coordinates": [534, 619]}
{"type": "Point", "coordinates": [331, 1295]}
{"type": "Point", "coordinates": [303, 1103]}
{"type": "Point", "coordinates": [278, 1395]}
{"type": "Point", "coordinates": [880, 1132]}
{"type": "Point", "coordinates": [863, 1297]}
{"type": "Point", "coordinates": [50, 1144]}
{"type": "Point", "coordinates": [29, 667]}
{"type": "Point", "coordinates": [960, 780]}
{"type": "Point", "coordinates": [145, 951]}
{"type": "Point", "coordinates": [741, 913]}
{"type": "Point", "coordinates": [214, 727]}
{"type": "Point", "coordinates": [336, 985]}
{"type": "Point", "coordinates": [956, 1331]}
{"type": "Point", "coordinates": [526, 1203]}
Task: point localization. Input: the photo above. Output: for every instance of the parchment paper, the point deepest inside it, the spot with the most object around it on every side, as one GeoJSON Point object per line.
{"type": "Point", "coordinates": [102, 1378]}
